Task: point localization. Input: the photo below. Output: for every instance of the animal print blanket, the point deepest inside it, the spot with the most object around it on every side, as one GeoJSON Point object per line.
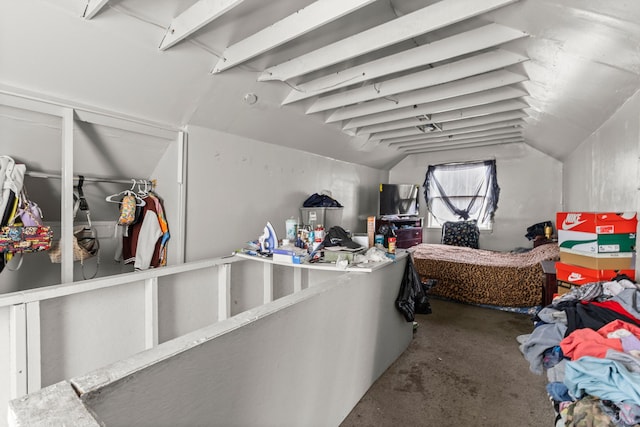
{"type": "Point", "coordinates": [480, 276]}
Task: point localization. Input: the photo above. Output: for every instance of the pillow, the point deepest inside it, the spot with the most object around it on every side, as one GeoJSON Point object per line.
{"type": "Point", "coordinates": [462, 233]}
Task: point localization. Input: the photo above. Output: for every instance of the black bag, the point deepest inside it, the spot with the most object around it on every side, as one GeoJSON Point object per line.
{"type": "Point", "coordinates": [537, 229]}
{"type": "Point", "coordinates": [412, 298]}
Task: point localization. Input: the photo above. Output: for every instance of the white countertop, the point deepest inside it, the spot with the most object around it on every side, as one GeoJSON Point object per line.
{"type": "Point", "coordinates": [360, 267]}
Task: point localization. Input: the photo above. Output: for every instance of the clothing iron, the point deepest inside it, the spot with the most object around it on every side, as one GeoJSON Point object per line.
{"type": "Point", "coordinates": [268, 240]}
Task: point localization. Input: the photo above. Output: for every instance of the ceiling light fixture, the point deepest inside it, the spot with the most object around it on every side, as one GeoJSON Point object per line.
{"type": "Point", "coordinates": [250, 98]}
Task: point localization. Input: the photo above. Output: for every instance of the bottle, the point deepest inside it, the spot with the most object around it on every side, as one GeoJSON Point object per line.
{"type": "Point", "coordinates": [392, 245]}
{"type": "Point", "coordinates": [391, 241]}
{"type": "Point", "coordinates": [319, 233]}
{"type": "Point", "coordinates": [290, 227]}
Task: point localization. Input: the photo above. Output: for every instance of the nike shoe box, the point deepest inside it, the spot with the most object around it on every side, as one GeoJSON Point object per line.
{"type": "Point", "coordinates": [576, 275]}
{"type": "Point", "coordinates": [599, 261]}
{"type": "Point", "coordinates": [597, 232]}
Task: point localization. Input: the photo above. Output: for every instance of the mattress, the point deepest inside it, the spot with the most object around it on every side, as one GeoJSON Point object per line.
{"type": "Point", "coordinates": [479, 276]}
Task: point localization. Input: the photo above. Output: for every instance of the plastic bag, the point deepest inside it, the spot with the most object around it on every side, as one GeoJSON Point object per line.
{"type": "Point", "coordinates": [412, 298]}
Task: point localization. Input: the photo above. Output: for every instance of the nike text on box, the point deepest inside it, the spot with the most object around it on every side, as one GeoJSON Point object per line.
{"type": "Point", "coordinates": [577, 275]}
{"type": "Point", "coordinates": [597, 222]}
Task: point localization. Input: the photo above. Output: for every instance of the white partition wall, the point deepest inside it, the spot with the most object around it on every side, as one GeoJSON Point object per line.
{"type": "Point", "coordinates": [303, 359]}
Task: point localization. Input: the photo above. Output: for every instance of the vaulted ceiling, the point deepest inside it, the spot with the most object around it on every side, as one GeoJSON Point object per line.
{"type": "Point", "coordinates": [366, 81]}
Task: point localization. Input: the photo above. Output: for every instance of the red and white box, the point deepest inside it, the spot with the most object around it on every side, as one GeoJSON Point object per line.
{"type": "Point", "coordinates": [597, 232]}
{"type": "Point", "coordinates": [597, 222]}
{"type": "Point", "coordinates": [577, 275]}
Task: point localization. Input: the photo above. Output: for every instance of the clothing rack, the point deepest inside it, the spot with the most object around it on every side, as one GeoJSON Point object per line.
{"type": "Point", "coordinates": [151, 183]}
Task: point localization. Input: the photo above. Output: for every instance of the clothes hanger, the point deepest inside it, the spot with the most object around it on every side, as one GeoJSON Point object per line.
{"type": "Point", "coordinates": [117, 197]}
{"type": "Point", "coordinates": [145, 192]}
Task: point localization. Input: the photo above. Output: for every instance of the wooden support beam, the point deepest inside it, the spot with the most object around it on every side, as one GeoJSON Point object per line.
{"type": "Point", "coordinates": [429, 108]}
{"type": "Point", "coordinates": [197, 16]}
{"type": "Point", "coordinates": [464, 113]}
{"type": "Point", "coordinates": [465, 145]}
{"type": "Point", "coordinates": [478, 64]}
{"type": "Point", "coordinates": [34, 353]}
{"type": "Point", "coordinates": [508, 132]}
{"type": "Point", "coordinates": [150, 312]}
{"type": "Point", "coordinates": [452, 126]}
{"type": "Point", "coordinates": [93, 7]}
{"type": "Point", "coordinates": [466, 86]}
{"type": "Point", "coordinates": [68, 124]}
{"type": "Point", "coordinates": [458, 45]}
{"type": "Point", "coordinates": [224, 291]}
{"type": "Point", "coordinates": [18, 351]}
{"type": "Point", "coordinates": [303, 21]}
{"type": "Point", "coordinates": [430, 18]}
{"type": "Point", "coordinates": [268, 283]}
{"type": "Point", "coordinates": [477, 128]}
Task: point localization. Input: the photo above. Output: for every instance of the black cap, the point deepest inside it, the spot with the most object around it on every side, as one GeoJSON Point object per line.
{"type": "Point", "coordinates": [336, 236]}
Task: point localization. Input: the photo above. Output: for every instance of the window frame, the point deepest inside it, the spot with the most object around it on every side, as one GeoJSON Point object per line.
{"type": "Point", "coordinates": [434, 223]}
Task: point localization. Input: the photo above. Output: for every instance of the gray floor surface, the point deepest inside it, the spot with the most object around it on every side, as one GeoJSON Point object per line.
{"type": "Point", "coordinates": [463, 368]}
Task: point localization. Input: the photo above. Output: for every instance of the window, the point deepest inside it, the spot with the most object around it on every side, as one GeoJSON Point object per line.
{"type": "Point", "coordinates": [461, 191]}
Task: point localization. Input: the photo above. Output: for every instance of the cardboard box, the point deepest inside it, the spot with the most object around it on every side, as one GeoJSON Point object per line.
{"type": "Point", "coordinates": [371, 230]}
{"type": "Point", "coordinates": [577, 275]}
{"type": "Point", "coordinates": [592, 243]}
{"type": "Point", "coordinates": [605, 261]}
{"type": "Point", "coordinates": [597, 222]}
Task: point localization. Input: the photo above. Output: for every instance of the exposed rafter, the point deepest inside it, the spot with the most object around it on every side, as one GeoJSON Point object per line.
{"type": "Point", "coordinates": [197, 16]}
{"type": "Point", "coordinates": [457, 70]}
{"type": "Point", "coordinates": [304, 20]}
{"type": "Point", "coordinates": [460, 44]}
{"type": "Point", "coordinates": [93, 7]}
{"type": "Point", "coordinates": [477, 128]}
{"type": "Point", "coordinates": [437, 15]}
{"type": "Point", "coordinates": [465, 113]}
{"type": "Point", "coordinates": [448, 90]}
{"type": "Point", "coordinates": [458, 146]}
{"type": "Point", "coordinates": [458, 102]}
{"type": "Point", "coordinates": [470, 137]}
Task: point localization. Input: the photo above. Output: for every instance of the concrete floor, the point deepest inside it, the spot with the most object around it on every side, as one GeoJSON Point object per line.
{"type": "Point", "coordinates": [463, 368]}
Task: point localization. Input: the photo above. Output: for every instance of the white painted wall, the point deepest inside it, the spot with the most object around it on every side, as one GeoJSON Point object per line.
{"type": "Point", "coordinates": [530, 189]}
{"type": "Point", "coordinates": [292, 365]}
{"type": "Point", "coordinates": [236, 185]}
{"type": "Point", "coordinates": [602, 174]}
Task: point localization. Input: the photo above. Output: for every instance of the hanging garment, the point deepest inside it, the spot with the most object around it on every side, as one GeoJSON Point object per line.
{"type": "Point", "coordinates": [141, 246]}
{"type": "Point", "coordinates": [11, 182]}
{"type": "Point", "coordinates": [164, 227]}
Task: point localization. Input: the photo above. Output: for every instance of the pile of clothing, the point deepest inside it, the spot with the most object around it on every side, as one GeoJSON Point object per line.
{"type": "Point", "coordinates": [588, 342]}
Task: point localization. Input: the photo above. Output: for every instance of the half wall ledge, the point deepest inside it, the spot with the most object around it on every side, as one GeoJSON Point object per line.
{"type": "Point", "coordinates": [304, 359]}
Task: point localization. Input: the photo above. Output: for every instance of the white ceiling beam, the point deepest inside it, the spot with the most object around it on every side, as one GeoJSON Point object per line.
{"type": "Point", "coordinates": [483, 120]}
{"type": "Point", "coordinates": [472, 66]}
{"type": "Point", "coordinates": [465, 113]}
{"type": "Point", "coordinates": [433, 17]}
{"type": "Point", "coordinates": [93, 7]}
{"type": "Point", "coordinates": [303, 21]}
{"type": "Point", "coordinates": [475, 136]}
{"type": "Point", "coordinates": [195, 17]}
{"type": "Point", "coordinates": [466, 145]}
{"type": "Point", "coordinates": [461, 44]}
{"type": "Point", "coordinates": [478, 98]}
{"type": "Point", "coordinates": [466, 86]}
{"type": "Point", "coordinates": [452, 126]}
{"type": "Point", "coordinates": [509, 123]}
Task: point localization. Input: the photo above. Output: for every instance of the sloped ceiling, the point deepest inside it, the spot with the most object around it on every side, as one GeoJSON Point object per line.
{"type": "Point", "coordinates": [362, 81]}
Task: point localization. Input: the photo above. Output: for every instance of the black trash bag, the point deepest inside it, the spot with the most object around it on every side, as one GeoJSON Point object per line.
{"type": "Point", "coordinates": [321, 201]}
{"type": "Point", "coordinates": [412, 298]}
{"type": "Point", "coordinates": [423, 306]}
{"type": "Point", "coordinates": [537, 230]}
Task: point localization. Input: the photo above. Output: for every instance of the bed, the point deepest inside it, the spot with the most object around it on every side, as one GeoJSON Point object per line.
{"type": "Point", "coordinates": [480, 276]}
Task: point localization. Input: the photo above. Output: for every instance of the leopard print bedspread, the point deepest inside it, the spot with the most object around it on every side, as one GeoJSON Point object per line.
{"type": "Point", "coordinates": [479, 276]}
